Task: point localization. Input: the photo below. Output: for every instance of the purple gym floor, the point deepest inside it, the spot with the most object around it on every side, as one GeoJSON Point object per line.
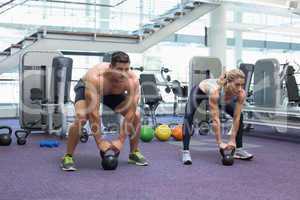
{"type": "Point", "coordinates": [32, 173]}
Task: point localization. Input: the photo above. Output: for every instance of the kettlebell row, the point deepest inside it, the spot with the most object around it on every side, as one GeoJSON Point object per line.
{"type": "Point", "coordinates": [6, 136]}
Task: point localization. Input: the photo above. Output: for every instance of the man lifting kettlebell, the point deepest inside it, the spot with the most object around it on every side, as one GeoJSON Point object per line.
{"type": "Point", "coordinates": [116, 86]}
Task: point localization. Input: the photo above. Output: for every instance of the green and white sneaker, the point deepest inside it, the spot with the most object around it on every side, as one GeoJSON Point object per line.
{"type": "Point", "coordinates": [137, 158]}
{"type": "Point", "coordinates": [67, 163]}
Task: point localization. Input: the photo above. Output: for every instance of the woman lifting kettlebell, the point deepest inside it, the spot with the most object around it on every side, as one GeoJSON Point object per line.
{"type": "Point", "coordinates": [227, 92]}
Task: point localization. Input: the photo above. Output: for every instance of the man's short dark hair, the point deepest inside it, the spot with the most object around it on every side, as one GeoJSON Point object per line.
{"type": "Point", "coordinates": [119, 57]}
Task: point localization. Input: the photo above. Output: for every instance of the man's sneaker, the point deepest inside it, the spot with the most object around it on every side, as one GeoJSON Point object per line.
{"type": "Point", "coordinates": [67, 163]}
{"type": "Point", "coordinates": [186, 157]}
{"type": "Point", "coordinates": [137, 158]}
{"type": "Point", "coordinates": [242, 154]}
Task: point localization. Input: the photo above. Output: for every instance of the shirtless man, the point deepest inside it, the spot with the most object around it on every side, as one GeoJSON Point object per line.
{"type": "Point", "coordinates": [226, 93]}
{"type": "Point", "coordinates": [116, 86]}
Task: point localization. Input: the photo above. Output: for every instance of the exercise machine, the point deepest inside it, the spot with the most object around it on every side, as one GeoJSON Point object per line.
{"type": "Point", "coordinates": [267, 107]}
{"type": "Point", "coordinates": [45, 78]}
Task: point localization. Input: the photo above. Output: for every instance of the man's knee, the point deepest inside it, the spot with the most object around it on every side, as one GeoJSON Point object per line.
{"type": "Point", "coordinates": [81, 119]}
{"type": "Point", "coordinates": [132, 116]}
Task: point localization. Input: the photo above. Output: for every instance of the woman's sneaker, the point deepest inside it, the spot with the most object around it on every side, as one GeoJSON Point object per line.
{"type": "Point", "coordinates": [242, 154]}
{"type": "Point", "coordinates": [67, 163]}
{"type": "Point", "coordinates": [186, 157]}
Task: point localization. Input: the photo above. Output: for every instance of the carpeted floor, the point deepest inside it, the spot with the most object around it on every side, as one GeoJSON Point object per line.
{"type": "Point", "coordinates": [32, 173]}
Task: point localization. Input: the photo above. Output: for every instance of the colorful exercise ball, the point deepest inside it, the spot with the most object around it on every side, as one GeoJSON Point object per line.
{"type": "Point", "coordinates": [163, 132]}
{"type": "Point", "coordinates": [147, 133]}
{"type": "Point", "coordinates": [177, 133]}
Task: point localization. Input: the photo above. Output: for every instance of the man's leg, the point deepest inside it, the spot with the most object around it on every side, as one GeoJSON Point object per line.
{"type": "Point", "coordinates": [135, 156]}
{"type": "Point", "coordinates": [118, 144]}
{"type": "Point", "coordinates": [135, 132]}
{"type": "Point", "coordinates": [73, 136]}
{"type": "Point", "coordinates": [131, 127]}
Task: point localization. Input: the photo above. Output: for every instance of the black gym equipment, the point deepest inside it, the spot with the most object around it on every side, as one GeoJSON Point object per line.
{"type": "Point", "coordinates": [5, 138]}
{"type": "Point", "coordinates": [109, 161]}
{"type": "Point", "coordinates": [292, 86]}
{"type": "Point", "coordinates": [150, 94]}
{"type": "Point", "coordinates": [248, 70]}
{"type": "Point", "coordinates": [167, 89]}
{"type": "Point", "coordinates": [180, 94]}
{"type": "Point", "coordinates": [84, 137]}
{"type": "Point", "coordinates": [21, 136]}
{"type": "Point", "coordinates": [107, 57]}
{"type": "Point", "coordinates": [44, 90]}
{"type": "Point", "coordinates": [276, 104]}
{"type": "Point", "coordinates": [163, 71]}
{"type": "Point", "coordinates": [227, 158]}
{"type": "Point", "coordinates": [204, 128]}
{"type": "Point", "coordinates": [166, 79]}
{"type": "Point", "coordinates": [141, 68]}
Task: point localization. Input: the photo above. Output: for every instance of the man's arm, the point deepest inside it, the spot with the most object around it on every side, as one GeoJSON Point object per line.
{"type": "Point", "coordinates": [131, 103]}
{"type": "Point", "coordinates": [93, 91]}
{"type": "Point", "coordinates": [135, 97]}
{"type": "Point", "coordinates": [93, 104]}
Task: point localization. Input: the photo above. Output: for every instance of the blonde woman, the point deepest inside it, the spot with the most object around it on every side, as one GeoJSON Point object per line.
{"type": "Point", "coordinates": [226, 93]}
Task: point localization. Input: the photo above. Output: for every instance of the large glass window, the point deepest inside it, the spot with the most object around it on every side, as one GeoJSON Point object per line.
{"type": "Point", "coordinates": [21, 21]}
{"type": "Point", "coordinates": [9, 87]}
{"type": "Point", "coordinates": [230, 59]}
{"type": "Point", "coordinates": [174, 56]}
{"type": "Point", "coordinates": [253, 18]}
{"type": "Point", "coordinates": [254, 36]}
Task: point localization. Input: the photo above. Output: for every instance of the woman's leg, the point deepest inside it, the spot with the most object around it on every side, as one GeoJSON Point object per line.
{"type": "Point", "coordinates": [195, 98]}
{"type": "Point", "coordinates": [240, 153]}
{"type": "Point", "coordinates": [239, 136]}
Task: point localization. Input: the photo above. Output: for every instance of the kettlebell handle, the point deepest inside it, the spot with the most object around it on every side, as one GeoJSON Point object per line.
{"type": "Point", "coordinates": [8, 128]}
{"type": "Point", "coordinates": [102, 153]}
{"type": "Point", "coordinates": [21, 131]}
{"type": "Point", "coordinates": [223, 154]}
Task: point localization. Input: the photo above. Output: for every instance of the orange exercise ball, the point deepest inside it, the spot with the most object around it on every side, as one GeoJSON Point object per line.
{"type": "Point", "coordinates": [177, 133]}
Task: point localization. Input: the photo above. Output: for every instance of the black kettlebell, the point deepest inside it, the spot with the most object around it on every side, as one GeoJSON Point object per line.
{"type": "Point", "coordinates": [109, 161]}
{"type": "Point", "coordinates": [227, 158]}
{"type": "Point", "coordinates": [84, 137]}
{"type": "Point", "coordinates": [5, 138]}
{"type": "Point", "coordinates": [21, 136]}
{"type": "Point", "coordinates": [204, 128]}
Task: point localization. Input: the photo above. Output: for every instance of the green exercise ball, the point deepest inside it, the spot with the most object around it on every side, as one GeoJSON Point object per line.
{"type": "Point", "coordinates": [147, 134]}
